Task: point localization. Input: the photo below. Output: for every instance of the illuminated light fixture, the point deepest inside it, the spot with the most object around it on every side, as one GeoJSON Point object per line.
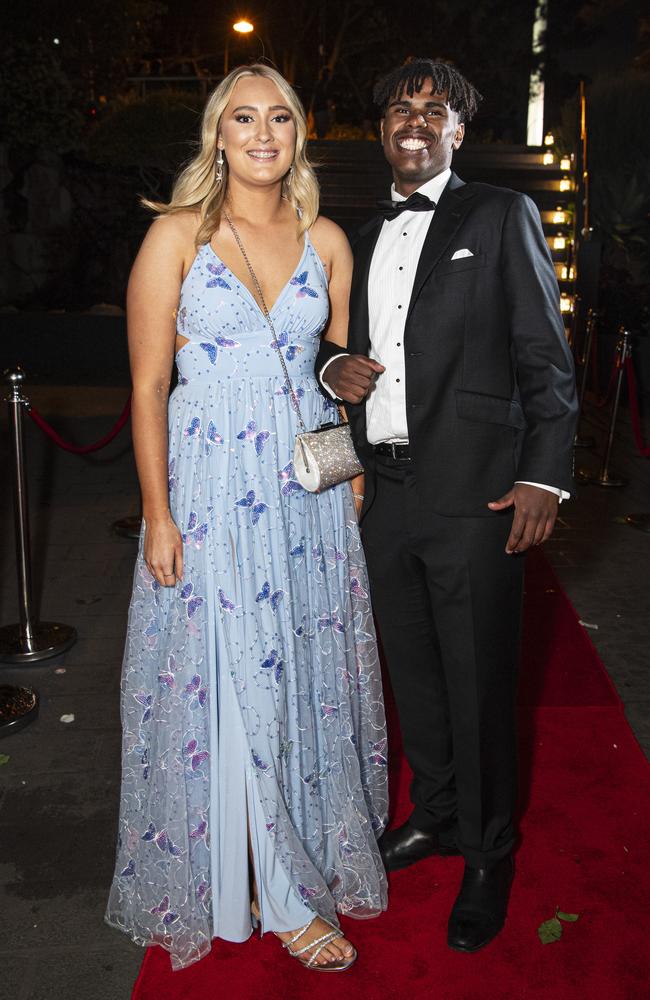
{"type": "Point", "coordinates": [559, 217]}
{"type": "Point", "coordinates": [547, 159]}
{"type": "Point", "coordinates": [549, 139]}
{"type": "Point", "coordinates": [566, 303]}
{"type": "Point", "coordinates": [559, 242]}
{"type": "Point", "coordinates": [56, 41]}
{"type": "Point", "coordinates": [565, 184]}
{"type": "Point", "coordinates": [565, 163]}
{"type": "Point", "coordinates": [244, 27]}
{"type": "Point", "coordinates": [567, 273]}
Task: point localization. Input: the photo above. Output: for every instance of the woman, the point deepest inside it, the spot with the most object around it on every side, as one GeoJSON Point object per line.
{"type": "Point", "coordinates": [254, 736]}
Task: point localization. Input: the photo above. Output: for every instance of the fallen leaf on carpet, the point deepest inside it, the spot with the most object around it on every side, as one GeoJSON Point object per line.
{"type": "Point", "coordinates": [67, 718]}
{"type": "Point", "coordinates": [569, 918]}
{"type": "Point", "coordinates": [587, 624]}
{"type": "Point", "coordinates": [550, 930]}
{"type": "Point", "coordinates": [60, 670]}
{"type": "Point", "coordinates": [4, 758]}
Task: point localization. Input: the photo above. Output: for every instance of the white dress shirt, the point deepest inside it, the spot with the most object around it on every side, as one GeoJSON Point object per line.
{"type": "Point", "coordinates": [390, 284]}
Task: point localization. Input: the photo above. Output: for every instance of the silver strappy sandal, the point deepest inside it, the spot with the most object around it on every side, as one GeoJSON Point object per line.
{"type": "Point", "coordinates": [316, 946]}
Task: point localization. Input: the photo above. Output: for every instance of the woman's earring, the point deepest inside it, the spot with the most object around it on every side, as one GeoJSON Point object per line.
{"type": "Point", "coordinates": [219, 166]}
{"type": "Point", "coordinates": [289, 177]}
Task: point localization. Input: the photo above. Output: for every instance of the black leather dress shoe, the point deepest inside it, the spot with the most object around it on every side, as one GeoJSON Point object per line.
{"type": "Point", "coordinates": [404, 846]}
{"type": "Point", "coordinates": [480, 909]}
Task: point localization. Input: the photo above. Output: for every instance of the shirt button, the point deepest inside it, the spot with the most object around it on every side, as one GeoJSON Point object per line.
{"type": "Point", "coordinates": [398, 345]}
{"type": "Point", "coordinates": [404, 234]}
{"type": "Point", "coordinates": [400, 268]}
{"type": "Point", "coordinates": [399, 307]}
{"type": "Point", "coordinates": [397, 380]}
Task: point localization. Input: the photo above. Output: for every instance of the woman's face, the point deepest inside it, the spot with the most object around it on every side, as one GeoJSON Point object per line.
{"type": "Point", "coordinates": [257, 132]}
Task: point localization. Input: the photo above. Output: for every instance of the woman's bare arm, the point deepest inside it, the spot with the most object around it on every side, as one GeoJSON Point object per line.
{"type": "Point", "coordinates": [152, 299]}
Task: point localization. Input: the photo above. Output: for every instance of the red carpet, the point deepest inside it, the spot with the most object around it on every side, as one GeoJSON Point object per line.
{"type": "Point", "coordinates": [585, 845]}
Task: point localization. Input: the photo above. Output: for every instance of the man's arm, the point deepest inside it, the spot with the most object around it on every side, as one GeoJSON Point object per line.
{"type": "Point", "coordinates": [544, 371]}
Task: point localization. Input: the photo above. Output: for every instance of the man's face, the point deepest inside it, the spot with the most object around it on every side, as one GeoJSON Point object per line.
{"type": "Point", "coordinates": [419, 135]}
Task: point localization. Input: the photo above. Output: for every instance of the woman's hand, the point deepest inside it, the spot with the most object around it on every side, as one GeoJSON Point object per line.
{"type": "Point", "coordinates": [163, 550]}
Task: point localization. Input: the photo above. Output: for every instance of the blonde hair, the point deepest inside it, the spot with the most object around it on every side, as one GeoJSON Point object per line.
{"type": "Point", "coordinates": [197, 187]}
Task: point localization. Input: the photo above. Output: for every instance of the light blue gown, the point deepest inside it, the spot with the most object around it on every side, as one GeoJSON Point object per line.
{"type": "Point", "coordinates": [251, 692]}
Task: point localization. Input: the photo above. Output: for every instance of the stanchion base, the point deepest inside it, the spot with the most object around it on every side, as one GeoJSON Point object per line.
{"type": "Point", "coordinates": [592, 479]}
{"type": "Point", "coordinates": [640, 521]}
{"type": "Point", "coordinates": [128, 527]}
{"type": "Point", "coordinates": [50, 639]}
{"type": "Point", "coordinates": [18, 707]}
{"type": "Point", "coordinates": [583, 442]}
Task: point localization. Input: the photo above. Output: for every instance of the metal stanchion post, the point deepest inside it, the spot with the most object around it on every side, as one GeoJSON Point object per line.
{"type": "Point", "coordinates": [128, 527]}
{"type": "Point", "coordinates": [592, 319]}
{"type": "Point", "coordinates": [30, 640]}
{"type": "Point", "coordinates": [605, 478]}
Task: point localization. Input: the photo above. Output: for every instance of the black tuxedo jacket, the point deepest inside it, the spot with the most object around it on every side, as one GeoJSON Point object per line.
{"type": "Point", "coordinates": [490, 390]}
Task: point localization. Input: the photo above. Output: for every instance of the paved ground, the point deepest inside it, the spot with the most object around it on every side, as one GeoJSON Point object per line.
{"type": "Point", "coordinates": [59, 790]}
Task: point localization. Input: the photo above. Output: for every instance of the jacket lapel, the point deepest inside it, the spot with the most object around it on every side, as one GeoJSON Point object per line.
{"type": "Point", "coordinates": [363, 247]}
{"type": "Point", "coordinates": [447, 218]}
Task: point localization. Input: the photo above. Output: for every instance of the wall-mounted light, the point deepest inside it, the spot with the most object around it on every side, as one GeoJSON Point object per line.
{"type": "Point", "coordinates": [547, 158]}
{"type": "Point", "coordinates": [568, 273]}
{"type": "Point", "coordinates": [566, 303]}
{"type": "Point", "coordinates": [549, 139]}
{"type": "Point", "coordinates": [559, 242]}
{"type": "Point", "coordinates": [559, 217]}
{"type": "Point", "coordinates": [244, 27]}
{"type": "Point", "coordinates": [565, 184]}
{"type": "Point", "coordinates": [565, 163]}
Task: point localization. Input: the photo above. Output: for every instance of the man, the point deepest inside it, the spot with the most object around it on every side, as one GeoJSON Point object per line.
{"type": "Point", "coordinates": [460, 394]}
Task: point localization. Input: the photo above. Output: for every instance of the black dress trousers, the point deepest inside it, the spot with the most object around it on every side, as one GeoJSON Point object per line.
{"type": "Point", "coordinates": [447, 600]}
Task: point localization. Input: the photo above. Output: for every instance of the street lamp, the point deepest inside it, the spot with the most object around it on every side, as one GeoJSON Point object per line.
{"type": "Point", "coordinates": [242, 27]}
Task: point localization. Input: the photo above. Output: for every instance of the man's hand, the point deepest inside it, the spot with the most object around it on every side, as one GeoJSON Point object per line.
{"type": "Point", "coordinates": [535, 514]}
{"type": "Point", "coordinates": [351, 376]}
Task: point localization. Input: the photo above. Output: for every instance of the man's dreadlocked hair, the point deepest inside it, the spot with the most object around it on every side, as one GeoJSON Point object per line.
{"type": "Point", "coordinates": [462, 96]}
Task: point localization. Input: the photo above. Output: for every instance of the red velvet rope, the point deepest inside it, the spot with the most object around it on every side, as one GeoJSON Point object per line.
{"type": "Point", "coordinates": [86, 448]}
{"type": "Point", "coordinates": [635, 414]}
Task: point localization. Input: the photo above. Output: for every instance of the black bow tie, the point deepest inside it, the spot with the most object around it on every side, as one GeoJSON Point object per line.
{"type": "Point", "coordinates": [414, 203]}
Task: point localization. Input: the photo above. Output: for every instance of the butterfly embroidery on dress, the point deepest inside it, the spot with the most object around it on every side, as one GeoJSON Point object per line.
{"type": "Point", "coordinates": [195, 756]}
{"type": "Point", "coordinates": [260, 764]}
{"type": "Point", "coordinates": [291, 349]}
{"type": "Point", "coordinates": [378, 753]}
{"type": "Point", "coordinates": [164, 911]}
{"type": "Point", "coordinates": [193, 688]}
{"type": "Point", "coordinates": [195, 534]}
{"type": "Point", "coordinates": [162, 840]}
{"type": "Point", "coordinates": [200, 832]}
{"type": "Point", "coordinates": [129, 871]}
{"type": "Point", "coordinates": [284, 391]}
{"type": "Point", "coordinates": [171, 478]}
{"type": "Point", "coordinates": [256, 509]}
{"type": "Point", "coordinates": [192, 601]}
{"type": "Point", "coordinates": [288, 480]}
{"type": "Point", "coordinates": [356, 589]}
{"type": "Point", "coordinates": [217, 281]}
{"type": "Point", "coordinates": [251, 433]}
{"type": "Point", "coordinates": [212, 437]}
{"type": "Point", "coordinates": [146, 700]}
{"type": "Point", "coordinates": [273, 598]}
{"type": "Point", "coordinates": [300, 281]}
{"type": "Point", "coordinates": [333, 621]}
{"type": "Point", "coordinates": [193, 429]}
{"type": "Point", "coordinates": [274, 665]}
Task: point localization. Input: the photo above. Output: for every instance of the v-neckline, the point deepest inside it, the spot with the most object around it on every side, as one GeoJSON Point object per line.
{"type": "Point", "coordinates": [282, 291]}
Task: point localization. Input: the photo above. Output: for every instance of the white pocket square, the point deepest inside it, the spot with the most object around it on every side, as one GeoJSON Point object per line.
{"type": "Point", "coordinates": [462, 253]}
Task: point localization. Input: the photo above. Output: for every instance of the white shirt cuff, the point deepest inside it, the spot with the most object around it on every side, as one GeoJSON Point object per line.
{"type": "Point", "coordinates": [324, 384]}
{"type": "Point", "coordinates": [562, 494]}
